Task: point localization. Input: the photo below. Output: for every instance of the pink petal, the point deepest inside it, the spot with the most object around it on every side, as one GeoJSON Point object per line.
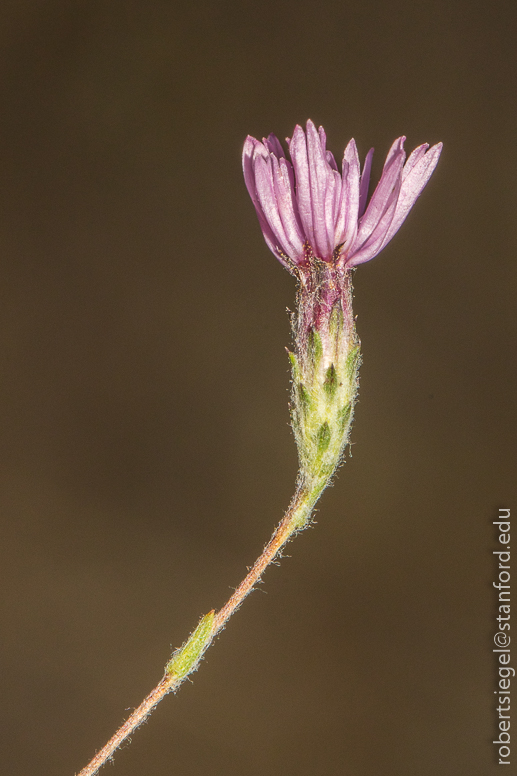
{"type": "Point", "coordinates": [298, 151]}
{"type": "Point", "coordinates": [365, 182]}
{"type": "Point", "coordinates": [413, 158]}
{"type": "Point", "coordinates": [252, 147]}
{"type": "Point", "coordinates": [329, 156]}
{"type": "Point", "coordinates": [272, 143]}
{"type": "Point", "coordinates": [247, 165]}
{"type": "Point", "coordinates": [346, 227]}
{"type": "Point", "coordinates": [413, 183]}
{"type": "Point", "coordinates": [336, 201]}
{"type": "Point", "coordinates": [268, 201]}
{"type": "Point", "coordinates": [379, 201]}
{"type": "Point", "coordinates": [396, 147]}
{"type": "Point", "coordinates": [287, 207]}
{"type": "Point", "coordinates": [376, 240]}
{"type": "Point", "coordinates": [332, 196]}
{"type": "Point", "coordinates": [320, 179]}
{"type": "Point", "coordinates": [323, 138]}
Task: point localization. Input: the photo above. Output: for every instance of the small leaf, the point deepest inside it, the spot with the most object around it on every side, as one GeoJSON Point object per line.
{"type": "Point", "coordinates": [330, 384]}
{"type": "Point", "coordinates": [344, 416]}
{"type": "Point", "coordinates": [315, 347]}
{"type": "Point", "coordinates": [184, 660]}
{"type": "Point", "coordinates": [352, 362]}
{"type": "Point", "coordinates": [294, 365]}
{"type": "Point", "coordinates": [323, 437]}
{"type": "Point", "coordinates": [304, 400]}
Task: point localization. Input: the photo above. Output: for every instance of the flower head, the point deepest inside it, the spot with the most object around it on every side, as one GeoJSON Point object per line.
{"type": "Point", "coordinates": [308, 210]}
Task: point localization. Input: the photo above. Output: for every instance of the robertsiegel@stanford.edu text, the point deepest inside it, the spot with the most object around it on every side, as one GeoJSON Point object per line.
{"type": "Point", "coordinates": [502, 638]}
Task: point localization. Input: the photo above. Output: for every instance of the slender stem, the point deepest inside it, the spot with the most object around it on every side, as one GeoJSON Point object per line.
{"type": "Point", "coordinates": [324, 368]}
{"type": "Point", "coordinates": [295, 518]}
{"type": "Point", "coordinates": [287, 526]}
{"type": "Point", "coordinates": [132, 722]}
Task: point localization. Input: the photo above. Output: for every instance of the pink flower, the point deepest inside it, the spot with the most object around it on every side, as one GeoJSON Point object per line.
{"type": "Point", "coordinates": [308, 209]}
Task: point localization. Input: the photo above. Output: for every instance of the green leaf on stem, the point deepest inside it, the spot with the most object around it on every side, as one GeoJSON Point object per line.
{"type": "Point", "coordinates": [304, 398]}
{"type": "Point", "coordinates": [344, 416]}
{"type": "Point", "coordinates": [330, 384]}
{"type": "Point", "coordinates": [315, 347]}
{"type": "Point", "coordinates": [294, 365]}
{"type": "Point", "coordinates": [323, 437]}
{"type": "Point", "coordinates": [185, 660]}
{"type": "Point", "coordinates": [352, 362]}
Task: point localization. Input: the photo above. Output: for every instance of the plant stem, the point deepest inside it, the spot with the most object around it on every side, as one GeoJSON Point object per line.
{"type": "Point", "coordinates": [324, 368]}
{"type": "Point", "coordinates": [296, 518]}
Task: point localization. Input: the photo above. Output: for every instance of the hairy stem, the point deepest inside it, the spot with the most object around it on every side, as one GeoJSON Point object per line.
{"type": "Point", "coordinates": [187, 658]}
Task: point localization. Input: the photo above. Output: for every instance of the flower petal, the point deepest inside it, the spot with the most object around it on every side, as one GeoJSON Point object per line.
{"type": "Point", "coordinates": [268, 200]}
{"type": "Point", "coordinates": [320, 179]}
{"type": "Point", "coordinates": [413, 183]}
{"type": "Point", "coordinates": [365, 182]}
{"type": "Point", "coordinates": [413, 158]}
{"type": "Point", "coordinates": [298, 151]}
{"type": "Point", "coordinates": [376, 241]}
{"type": "Point", "coordinates": [252, 147]}
{"type": "Point", "coordinates": [247, 165]}
{"type": "Point", "coordinates": [332, 196]}
{"type": "Point", "coordinates": [288, 208]}
{"type": "Point", "coordinates": [346, 226]}
{"type": "Point", "coordinates": [390, 176]}
{"type": "Point", "coordinates": [329, 156]}
{"type": "Point", "coordinates": [273, 145]}
{"type": "Point", "coordinates": [394, 151]}
{"type": "Point", "coordinates": [323, 138]}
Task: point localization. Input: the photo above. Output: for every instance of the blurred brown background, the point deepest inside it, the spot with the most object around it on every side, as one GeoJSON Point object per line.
{"type": "Point", "coordinates": [145, 447]}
